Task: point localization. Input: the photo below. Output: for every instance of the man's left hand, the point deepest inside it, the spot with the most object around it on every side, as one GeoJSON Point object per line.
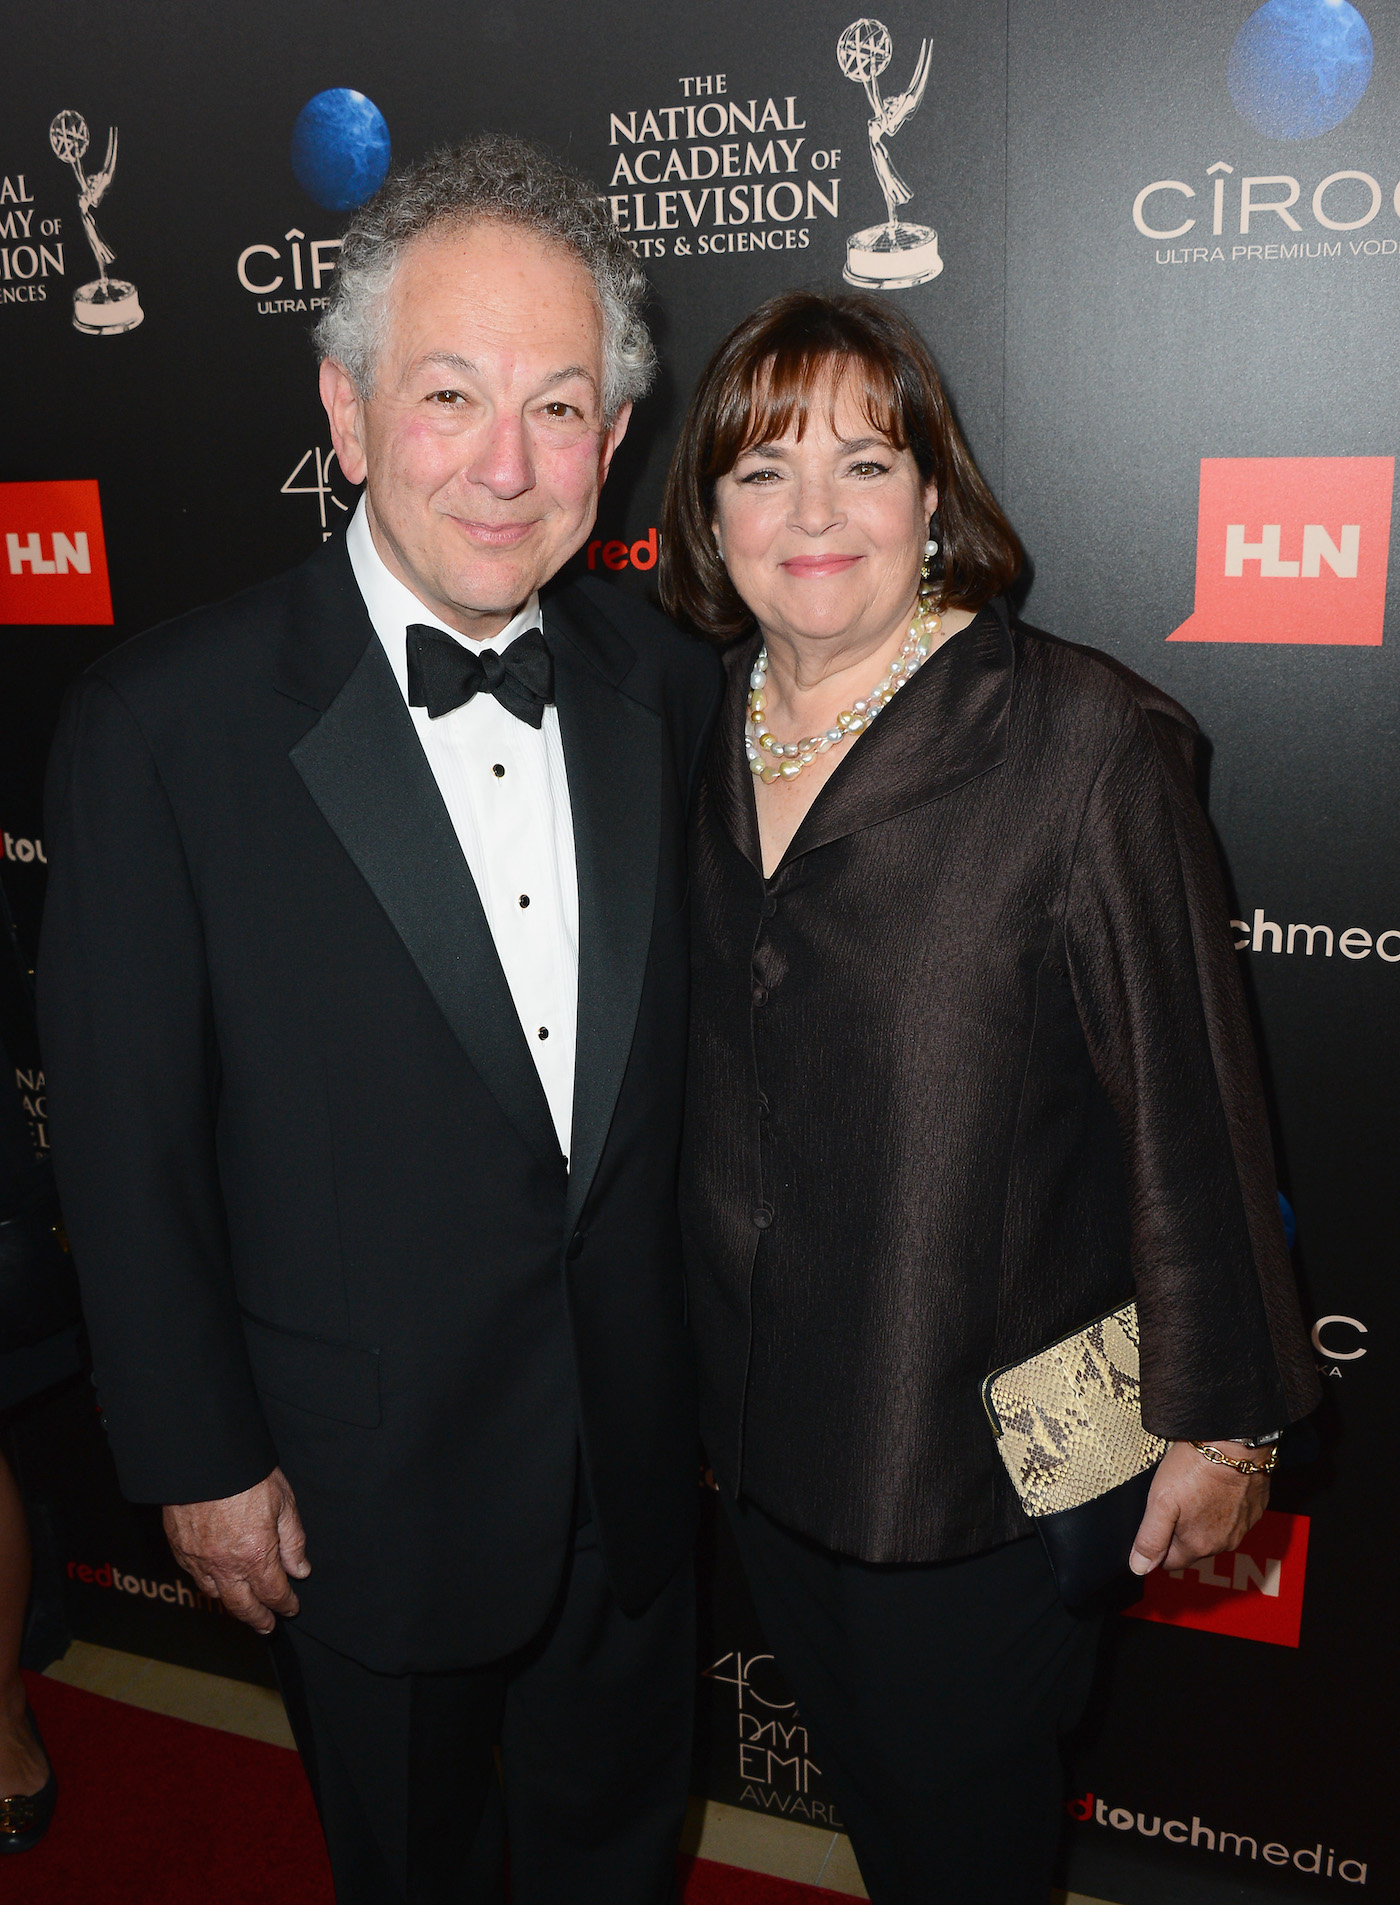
{"type": "Point", "coordinates": [1197, 1507]}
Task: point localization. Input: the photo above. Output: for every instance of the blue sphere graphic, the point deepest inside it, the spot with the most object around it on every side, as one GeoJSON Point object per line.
{"type": "Point", "coordinates": [1299, 67]}
{"type": "Point", "coordinates": [1290, 1222]}
{"type": "Point", "coordinates": [340, 148]}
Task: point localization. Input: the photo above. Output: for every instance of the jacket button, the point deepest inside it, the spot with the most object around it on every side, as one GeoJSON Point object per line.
{"type": "Point", "coordinates": [765, 1110]}
{"type": "Point", "coordinates": [763, 1216]}
{"type": "Point", "coordinates": [575, 1249]}
{"type": "Point", "coordinates": [760, 995]}
{"type": "Point", "coordinates": [769, 908]}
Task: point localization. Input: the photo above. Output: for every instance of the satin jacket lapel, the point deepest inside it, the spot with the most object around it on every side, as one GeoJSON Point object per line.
{"type": "Point", "coordinates": [613, 754]}
{"type": "Point", "coordinates": [363, 766]}
{"type": "Point", "coordinates": [947, 726]}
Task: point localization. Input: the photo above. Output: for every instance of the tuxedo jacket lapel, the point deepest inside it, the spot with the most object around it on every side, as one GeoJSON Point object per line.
{"type": "Point", "coordinates": [613, 754]}
{"type": "Point", "coordinates": [363, 766]}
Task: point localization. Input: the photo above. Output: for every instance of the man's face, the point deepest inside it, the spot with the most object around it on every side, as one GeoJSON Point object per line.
{"type": "Point", "coordinates": [483, 448]}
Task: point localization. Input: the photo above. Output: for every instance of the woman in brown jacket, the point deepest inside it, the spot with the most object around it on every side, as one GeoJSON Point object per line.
{"type": "Point", "coordinates": [970, 1067]}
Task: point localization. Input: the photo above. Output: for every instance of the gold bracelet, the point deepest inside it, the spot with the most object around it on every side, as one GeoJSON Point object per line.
{"type": "Point", "coordinates": [1213, 1454]}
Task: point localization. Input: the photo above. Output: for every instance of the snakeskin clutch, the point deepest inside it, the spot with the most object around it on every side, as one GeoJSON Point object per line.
{"type": "Point", "coordinates": [1068, 1423]}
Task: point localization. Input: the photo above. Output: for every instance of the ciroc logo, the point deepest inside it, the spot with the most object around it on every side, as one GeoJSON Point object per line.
{"type": "Point", "coordinates": [1300, 67]}
{"type": "Point", "coordinates": [340, 157]}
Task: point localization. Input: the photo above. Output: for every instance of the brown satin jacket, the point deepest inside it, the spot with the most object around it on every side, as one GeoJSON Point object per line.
{"type": "Point", "coordinates": [970, 1069]}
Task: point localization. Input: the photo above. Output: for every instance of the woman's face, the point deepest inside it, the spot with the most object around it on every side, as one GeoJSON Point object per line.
{"type": "Point", "coordinates": [823, 535]}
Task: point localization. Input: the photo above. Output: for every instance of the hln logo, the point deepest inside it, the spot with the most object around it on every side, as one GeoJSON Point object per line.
{"type": "Point", "coordinates": [69, 552]}
{"type": "Point", "coordinates": [1254, 1593]}
{"type": "Point", "coordinates": [54, 566]}
{"type": "Point", "coordinates": [1292, 549]}
{"type": "Point", "coordinates": [1318, 547]}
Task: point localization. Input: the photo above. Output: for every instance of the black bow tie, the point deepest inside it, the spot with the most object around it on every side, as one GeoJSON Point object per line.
{"type": "Point", "coordinates": [442, 674]}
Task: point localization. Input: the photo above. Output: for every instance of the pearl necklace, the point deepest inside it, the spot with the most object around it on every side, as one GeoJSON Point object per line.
{"type": "Point", "coordinates": [774, 760]}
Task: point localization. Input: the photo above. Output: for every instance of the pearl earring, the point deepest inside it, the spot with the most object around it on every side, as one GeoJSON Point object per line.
{"type": "Point", "coordinates": [930, 551]}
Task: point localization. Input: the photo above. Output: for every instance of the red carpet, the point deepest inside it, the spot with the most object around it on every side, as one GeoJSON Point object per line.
{"type": "Point", "coordinates": [705, 1883]}
{"type": "Point", "coordinates": [154, 1811]}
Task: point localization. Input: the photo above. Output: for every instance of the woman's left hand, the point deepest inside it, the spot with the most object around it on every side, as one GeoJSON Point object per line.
{"type": "Point", "coordinates": [1197, 1508]}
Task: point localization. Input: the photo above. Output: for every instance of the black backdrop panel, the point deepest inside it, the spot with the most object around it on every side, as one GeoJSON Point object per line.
{"type": "Point", "coordinates": [1130, 358]}
{"type": "Point", "coordinates": [1132, 366]}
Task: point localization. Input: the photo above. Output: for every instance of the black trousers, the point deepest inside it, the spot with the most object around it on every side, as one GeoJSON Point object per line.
{"type": "Point", "coordinates": [934, 1699]}
{"type": "Point", "coordinates": [593, 1726]}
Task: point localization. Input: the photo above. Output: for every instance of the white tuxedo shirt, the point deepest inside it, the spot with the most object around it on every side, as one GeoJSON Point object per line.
{"type": "Point", "coordinates": [507, 793]}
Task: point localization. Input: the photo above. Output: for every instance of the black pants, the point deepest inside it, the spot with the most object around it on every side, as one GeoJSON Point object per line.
{"type": "Point", "coordinates": [934, 1699]}
{"type": "Point", "coordinates": [593, 1724]}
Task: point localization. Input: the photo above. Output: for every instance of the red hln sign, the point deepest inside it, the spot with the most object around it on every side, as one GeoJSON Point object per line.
{"type": "Point", "coordinates": [53, 556]}
{"type": "Point", "coordinates": [1291, 549]}
{"type": "Point", "coordinates": [1255, 1593]}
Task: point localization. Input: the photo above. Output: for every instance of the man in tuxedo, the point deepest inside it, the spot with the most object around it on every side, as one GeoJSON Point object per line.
{"type": "Point", "coordinates": [364, 994]}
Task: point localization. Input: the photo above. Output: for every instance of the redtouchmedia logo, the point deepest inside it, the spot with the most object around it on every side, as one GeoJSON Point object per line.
{"type": "Point", "coordinates": [1291, 549]}
{"type": "Point", "coordinates": [1233, 1847]}
{"type": "Point", "coordinates": [620, 555]}
{"type": "Point", "coordinates": [1255, 1593]}
{"type": "Point", "coordinates": [54, 562]}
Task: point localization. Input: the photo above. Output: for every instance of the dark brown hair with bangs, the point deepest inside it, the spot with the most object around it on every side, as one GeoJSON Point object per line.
{"type": "Point", "coordinates": [759, 385]}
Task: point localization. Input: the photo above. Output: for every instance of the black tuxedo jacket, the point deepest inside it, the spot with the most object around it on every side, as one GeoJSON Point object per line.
{"type": "Point", "coordinates": [306, 1161]}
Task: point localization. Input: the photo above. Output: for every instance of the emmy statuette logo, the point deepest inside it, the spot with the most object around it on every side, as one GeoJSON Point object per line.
{"type": "Point", "coordinates": [107, 306]}
{"type": "Point", "coordinates": [895, 255]}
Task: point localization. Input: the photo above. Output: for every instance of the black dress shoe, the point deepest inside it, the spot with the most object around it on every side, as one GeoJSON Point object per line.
{"type": "Point", "coordinates": [24, 1817]}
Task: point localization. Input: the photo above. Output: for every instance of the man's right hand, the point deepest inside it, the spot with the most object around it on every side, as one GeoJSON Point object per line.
{"type": "Point", "coordinates": [243, 1549]}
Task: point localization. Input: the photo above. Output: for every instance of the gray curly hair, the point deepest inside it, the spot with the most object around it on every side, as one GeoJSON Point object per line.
{"type": "Point", "coordinates": [512, 182]}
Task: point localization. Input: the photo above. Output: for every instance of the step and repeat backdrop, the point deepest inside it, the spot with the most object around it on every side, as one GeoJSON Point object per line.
{"type": "Point", "coordinates": [1156, 250]}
